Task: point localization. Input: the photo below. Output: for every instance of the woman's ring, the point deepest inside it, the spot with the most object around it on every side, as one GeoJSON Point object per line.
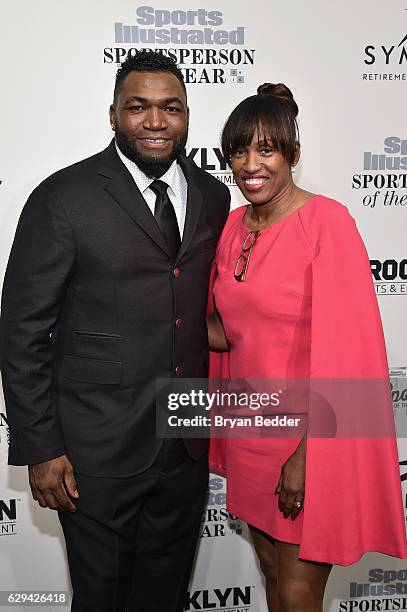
{"type": "Point", "coordinates": [298, 504]}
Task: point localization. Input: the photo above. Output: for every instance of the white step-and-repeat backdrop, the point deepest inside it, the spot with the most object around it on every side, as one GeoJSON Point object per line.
{"type": "Point", "coordinates": [346, 64]}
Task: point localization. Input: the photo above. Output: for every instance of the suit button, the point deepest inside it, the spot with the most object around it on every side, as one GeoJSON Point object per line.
{"type": "Point", "coordinates": [178, 323]}
{"type": "Point", "coordinates": [178, 371]}
{"type": "Point", "coordinates": [176, 272]}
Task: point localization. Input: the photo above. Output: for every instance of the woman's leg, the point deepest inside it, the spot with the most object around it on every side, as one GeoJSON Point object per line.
{"type": "Point", "coordinates": [265, 547]}
{"type": "Point", "coordinates": [301, 584]}
{"type": "Point", "coordinates": [292, 585]}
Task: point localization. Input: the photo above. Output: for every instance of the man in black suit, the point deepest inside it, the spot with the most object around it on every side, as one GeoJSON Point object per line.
{"type": "Point", "coordinates": [105, 291]}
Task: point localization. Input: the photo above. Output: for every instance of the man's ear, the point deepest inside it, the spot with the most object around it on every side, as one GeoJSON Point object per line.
{"type": "Point", "coordinates": [112, 115]}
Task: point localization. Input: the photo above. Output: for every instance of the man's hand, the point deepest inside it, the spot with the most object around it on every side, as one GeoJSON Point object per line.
{"type": "Point", "coordinates": [51, 482]}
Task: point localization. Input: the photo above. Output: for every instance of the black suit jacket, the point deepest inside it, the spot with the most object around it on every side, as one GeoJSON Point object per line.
{"type": "Point", "coordinates": [89, 305]}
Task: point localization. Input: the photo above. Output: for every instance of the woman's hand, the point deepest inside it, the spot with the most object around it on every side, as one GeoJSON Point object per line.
{"type": "Point", "coordinates": [291, 485]}
{"type": "Point", "coordinates": [216, 334]}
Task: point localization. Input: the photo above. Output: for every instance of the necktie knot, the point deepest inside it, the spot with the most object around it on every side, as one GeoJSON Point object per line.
{"type": "Point", "coordinates": [159, 187]}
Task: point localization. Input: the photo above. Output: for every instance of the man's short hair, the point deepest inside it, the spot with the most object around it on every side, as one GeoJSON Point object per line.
{"type": "Point", "coordinates": [146, 60]}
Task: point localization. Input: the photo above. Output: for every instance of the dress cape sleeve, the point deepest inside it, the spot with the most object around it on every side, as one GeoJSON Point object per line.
{"type": "Point", "coordinates": [353, 494]}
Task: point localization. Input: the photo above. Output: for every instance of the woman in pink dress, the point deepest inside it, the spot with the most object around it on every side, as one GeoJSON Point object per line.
{"type": "Point", "coordinates": [293, 299]}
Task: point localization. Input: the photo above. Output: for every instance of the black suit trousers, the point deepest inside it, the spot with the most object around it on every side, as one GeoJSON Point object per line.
{"type": "Point", "coordinates": [131, 542]}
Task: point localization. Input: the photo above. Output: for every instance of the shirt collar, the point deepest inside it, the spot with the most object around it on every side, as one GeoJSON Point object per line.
{"type": "Point", "coordinates": [143, 182]}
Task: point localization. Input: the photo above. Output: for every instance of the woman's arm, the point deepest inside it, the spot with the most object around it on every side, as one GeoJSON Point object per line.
{"type": "Point", "coordinates": [291, 486]}
{"type": "Point", "coordinates": [216, 333]}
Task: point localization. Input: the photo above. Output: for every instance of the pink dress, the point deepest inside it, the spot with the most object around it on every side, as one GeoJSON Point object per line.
{"type": "Point", "coordinates": [308, 310]}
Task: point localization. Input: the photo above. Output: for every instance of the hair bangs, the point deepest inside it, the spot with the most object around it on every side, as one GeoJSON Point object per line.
{"type": "Point", "coordinates": [265, 116]}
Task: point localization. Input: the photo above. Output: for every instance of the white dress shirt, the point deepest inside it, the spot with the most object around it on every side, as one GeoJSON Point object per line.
{"type": "Point", "coordinates": [177, 187]}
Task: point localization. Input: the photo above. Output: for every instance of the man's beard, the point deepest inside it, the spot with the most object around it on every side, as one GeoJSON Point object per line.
{"type": "Point", "coordinates": [151, 166]}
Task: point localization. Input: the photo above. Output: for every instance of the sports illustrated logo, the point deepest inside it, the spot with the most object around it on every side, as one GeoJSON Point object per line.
{"type": "Point", "coordinates": [380, 583]}
{"type": "Point", "coordinates": [383, 180]}
{"type": "Point", "coordinates": [212, 160]}
{"type": "Point", "coordinates": [226, 599]}
{"type": "Point", "coordinates": [217, 521]}
{"type": "Point", "coordinates": [389, 276]}
{"type": "Point", "coordinates": [386, 60]}
{"type": "Point", "coordinates": [8, 517]}
{"type": "Point", "coordinates": [173, 27]}
{"type": "Point", "coordinates": [207, 50]}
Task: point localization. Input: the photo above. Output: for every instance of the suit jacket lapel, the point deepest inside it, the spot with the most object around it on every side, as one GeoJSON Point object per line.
{"type": "Point", "coordinates": [121, 186]}
{"type": "Point", "coordinates": [194, 204]}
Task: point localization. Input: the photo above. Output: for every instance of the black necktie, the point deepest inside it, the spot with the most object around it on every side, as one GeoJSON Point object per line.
{"type": "Point", "coordinates": [164, 214]}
